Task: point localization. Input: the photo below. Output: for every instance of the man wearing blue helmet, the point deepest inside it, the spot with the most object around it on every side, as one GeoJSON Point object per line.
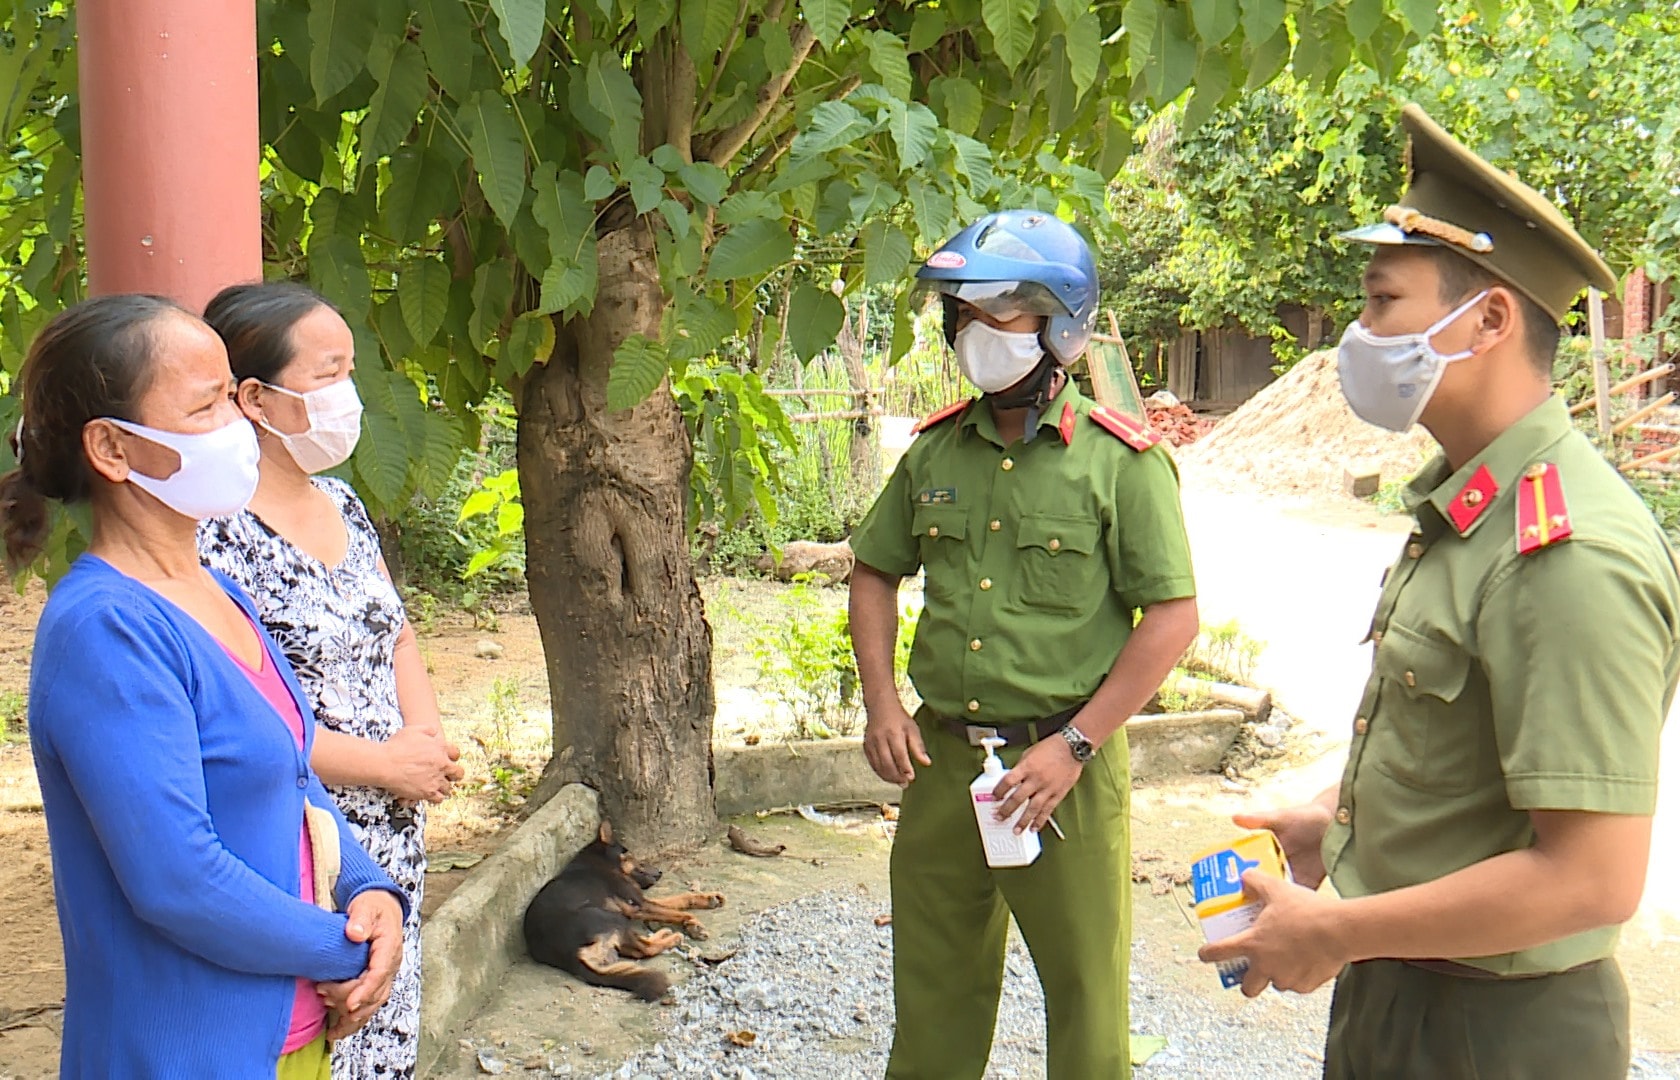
{"type": "Point", "coordinates": [1045, 524]}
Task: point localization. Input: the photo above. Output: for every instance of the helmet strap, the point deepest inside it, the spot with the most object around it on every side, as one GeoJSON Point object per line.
{"type": "Point", "coordinates": [1033, 394]}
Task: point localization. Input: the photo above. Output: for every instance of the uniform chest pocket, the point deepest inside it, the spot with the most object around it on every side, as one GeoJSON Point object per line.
{"type": "Point", "coordinates": [942, 540]}
{"type": "Point", "coordinates": [1059, 568]}
{"type": "Point", "coordinates": [1431, 730]}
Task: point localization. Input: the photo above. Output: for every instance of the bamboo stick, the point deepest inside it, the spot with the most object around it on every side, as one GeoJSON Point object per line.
{"type": "Point", "coordinates": [1628, 421]}
{"type": "Point", "coordinates": [1622, 387]}
{"type": "Point", "coordinates": [1601, 365]}
{"type": "Point", "coordinates": [1651, 459]}
{"type": "Point", "coordinates": [821, 392]}
{"type": "Point", "coordinates": [853, 414]}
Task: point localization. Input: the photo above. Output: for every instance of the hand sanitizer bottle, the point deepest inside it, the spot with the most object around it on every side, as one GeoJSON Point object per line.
{"type": "Point", "coordinates": [1003, 847]}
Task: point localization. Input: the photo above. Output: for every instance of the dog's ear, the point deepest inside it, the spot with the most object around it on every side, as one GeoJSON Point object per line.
{"type": "Point", "coordinates": [606, 832]}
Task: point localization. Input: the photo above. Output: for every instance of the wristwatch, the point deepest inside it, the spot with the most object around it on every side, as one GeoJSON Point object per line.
{"type": "Point", "coordinates": [1083, 749]}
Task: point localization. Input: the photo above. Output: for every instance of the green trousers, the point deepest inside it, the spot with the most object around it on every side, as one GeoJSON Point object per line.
{"type": "Point", "coordinates": [1393, 1021]}
{"type": "Point", "coordinates": [951, 918]}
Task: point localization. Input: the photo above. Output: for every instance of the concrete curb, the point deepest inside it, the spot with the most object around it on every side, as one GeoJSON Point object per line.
{"type": "Point", "coordinates": [750, 778]}
{"type": "Point", "coordinates": [474, 935]}
{"type": "Point", "coordinates": [1176, 744]}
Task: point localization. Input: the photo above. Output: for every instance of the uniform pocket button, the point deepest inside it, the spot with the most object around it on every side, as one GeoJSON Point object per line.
{"type": "Point", "coordinates": [1343, 816]}
{"type": "Point", "coordinates": [303, 782]}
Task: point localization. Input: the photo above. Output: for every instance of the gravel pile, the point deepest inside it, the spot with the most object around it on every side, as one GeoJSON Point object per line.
{"type": "Point", "coordinates": [808, 994]}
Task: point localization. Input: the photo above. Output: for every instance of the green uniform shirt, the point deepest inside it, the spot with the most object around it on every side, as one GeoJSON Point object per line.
{"type": "Point", "coordinates": [1504, 683]}
{"type": "Point", "coordinates": [1037, 555]}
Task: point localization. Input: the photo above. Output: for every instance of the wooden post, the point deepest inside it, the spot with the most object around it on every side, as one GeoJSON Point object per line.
{"type": "Point", "coordinates": [1600, 363]}
{"type": "Point", "coordinates": [170, 146]}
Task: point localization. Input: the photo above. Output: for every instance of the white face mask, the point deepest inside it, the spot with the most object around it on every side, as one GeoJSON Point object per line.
{"type": "Point", "coordinates": [994, 360]}
{"type": "Point", "coordinates": [335, 423]}
{"type": "Point", "coordinates": [218, 473]}
{"type": "Point", "coordinates": [1388, 380]}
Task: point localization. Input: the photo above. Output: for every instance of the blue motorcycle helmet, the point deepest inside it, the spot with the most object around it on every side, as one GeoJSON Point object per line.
{"type": "Point", "coordinates": [1020, 262]}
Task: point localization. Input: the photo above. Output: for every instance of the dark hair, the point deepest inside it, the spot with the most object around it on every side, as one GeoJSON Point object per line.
{"type": "Point", "coordinates": [92, 360]}
{"type": "Point", "coordinates": [255, 323]}
{"type": "Point", "coordinates": [1460, 278]}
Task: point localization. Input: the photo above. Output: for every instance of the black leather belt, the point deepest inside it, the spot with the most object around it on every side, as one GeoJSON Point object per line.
{"type": "Point", "coordinates": [1013, 734]}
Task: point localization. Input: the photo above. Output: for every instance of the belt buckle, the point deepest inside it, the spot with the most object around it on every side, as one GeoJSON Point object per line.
{"type": "Point", "coordinates": [976, 733]}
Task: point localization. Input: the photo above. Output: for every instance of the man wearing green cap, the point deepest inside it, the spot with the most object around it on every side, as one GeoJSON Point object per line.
{"type": "Point", "coordinates": [1493, 824]}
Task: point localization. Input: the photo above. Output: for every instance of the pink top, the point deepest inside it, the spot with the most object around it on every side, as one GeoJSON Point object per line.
{"type": "Point", "coordinates": [309, 1014]}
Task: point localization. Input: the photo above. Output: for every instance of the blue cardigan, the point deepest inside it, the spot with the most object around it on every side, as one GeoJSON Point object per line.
{"type": "Point", "coordinates": [174, 798]}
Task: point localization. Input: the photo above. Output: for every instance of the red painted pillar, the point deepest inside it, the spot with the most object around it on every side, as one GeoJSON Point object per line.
{"type": "Point", "coordinates": [170, 146]}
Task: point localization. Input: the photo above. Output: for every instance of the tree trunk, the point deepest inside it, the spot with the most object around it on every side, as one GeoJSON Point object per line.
{"type": "Point", "coordinates": [628, 649]}
{"type": "Point", "coordinates": [865, 460]}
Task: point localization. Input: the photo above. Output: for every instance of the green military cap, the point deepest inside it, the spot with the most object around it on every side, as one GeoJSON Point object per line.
{"type": "Point", "coordinates": [1456, 200]}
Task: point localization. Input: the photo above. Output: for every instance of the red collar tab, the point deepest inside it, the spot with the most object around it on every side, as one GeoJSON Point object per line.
{"type": "Point", "coordinates": [1542, 516]}
{"type": "Point", "coordinates": [1135, 435]}
{"type": "Point", "coordinates": [941, 416]}
{"type": "Point", "coordinates": [1065, 428]}
{"type": "Point", "coordinates": [1472, 500]}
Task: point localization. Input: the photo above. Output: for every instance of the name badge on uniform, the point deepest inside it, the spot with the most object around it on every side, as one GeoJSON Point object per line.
{"type": "Point", "coordinates": [936, 497]}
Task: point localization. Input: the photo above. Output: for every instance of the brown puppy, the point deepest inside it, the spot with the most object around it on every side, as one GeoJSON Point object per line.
{"type": "Point", "coordinates": [583, 921]}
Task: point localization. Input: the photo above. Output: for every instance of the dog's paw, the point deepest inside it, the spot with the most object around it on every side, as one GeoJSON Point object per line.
{"type": "Point", "coordinates": [694, 930]}
{"type": "Point", "coordinates": [712, 901]}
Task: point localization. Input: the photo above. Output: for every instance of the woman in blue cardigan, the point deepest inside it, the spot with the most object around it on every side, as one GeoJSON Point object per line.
{"type": "Point", "coordinates": [213, 923]}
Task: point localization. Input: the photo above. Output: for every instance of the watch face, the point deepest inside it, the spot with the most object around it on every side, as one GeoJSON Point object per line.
{"type": "Point", "coordinates": [1082, 749]}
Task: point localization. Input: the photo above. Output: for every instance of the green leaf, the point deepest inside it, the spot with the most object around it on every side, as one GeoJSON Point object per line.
{"type": "Point", "coordinates": [705, 181]}
{"type": "Point", "coordinates": [498, 151]}
{"type": "Point", "coordinates": [962, 104]}
{"type": "Point", "coordinates": [598, 183]}
{"type": "Point", "coordinates": [638, 367]}
{"type": "Point", "coordinates": [530, 340]}
{"type": "Point", "coordinates": [928, 27]}
{"type": "Point", "coordinates": [1172, 56]}
{"type": "Point", "coordinates": [403, 90]}
{"type": "Point", "coordinates": [1213, 78]}
{"type": "Point", "coordinates": [974, 161]}
{"type": "Point", "coordinates": [478, 504]}
{"type": "Point", "coordinates": [382, 458]}
{"type": "Point", "coordinates": [1140, 19]}
{"type": "Point", "coordinates": [1215, 19]}
{"type": "Point", "coordinates": [831, 125]}
{"type": "Point", "coordinates": [445, 31]}
{"type": "Point", "coordinates": [1263, 18]}
{"type": "Point", "coordinates": [913, 129]}
{"type": "Point", "coordinates": [814, 317]}
{"type": "Point", "coordinates": [1420, 15]}
{"type": "Point", "coordinates": [521, 25]}
{"type": "Point", "coordinates": [613, 94]}
{"type": "Point", "coordinates": [933, 209]}
{"type": "Point", "coordinates": [653, 16]}
{"type": "Point", "coordinates": [1363, 17]}
{"type": "Point", "coordinates": [647, 185]}
{"type": "Point", "coordinates": [510, 519]}
{"type": "Point", "coordinates": [677, 217]}
{"type": "Point", "coordinates": [423, 292]}
{"type": "Point", "coordinates": [1084, 49]}
{"type": "Point", "coordinates": [750, 249]}
{"type": "Point", "coordinates": [886, 253]}
{"type": "Point", "coordinates": [341, 36]}
{"type": "Point", "coordinates": [421, 190]}
{"type": "Point", "coordinates": [778, 46]}
{"type": "Point", "coordinates": [668, 158]}
{"type": "Point", "coordinates": [1265, 61]}
{"type": "Point", "coordinates": [569, 219]}
{"type": "Point", "coordinates": [701, 324]}
{"type": "Point", "coordinates": [744, 206]}
{"type": "Point", "coordinates": [337, 271]}
{"type": "Point", "coordinates": [888, 59]}
{"type": "Point", "coordinates": [705, 26]}
{"type": "Point", "coordinates": [492, 298]}
{"type": "Point", "coordinates": [1011, 24]}
{"type": "Point", "coordinates": [827, 19]}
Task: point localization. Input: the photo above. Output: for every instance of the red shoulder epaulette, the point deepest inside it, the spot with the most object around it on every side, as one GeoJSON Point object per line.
{"type": "Point", "coordinates": [941, 416]}
{"type": "Point", "coordinates": [1134, 434]}
{"type": "Point", "coordinates": [1542, 517]}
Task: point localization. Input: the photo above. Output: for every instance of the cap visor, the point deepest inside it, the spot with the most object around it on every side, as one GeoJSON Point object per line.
{"type": "Point", "coordinates": [1387, 235]}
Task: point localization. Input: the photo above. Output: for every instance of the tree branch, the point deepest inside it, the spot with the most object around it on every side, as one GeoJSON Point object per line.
{"type": "Point", "coordinates": [722, 58]}
{"type": "Point", "coordinates": [784, 137]}
{"type": "Point", "coordinates": [729, 143]}
{"type": "Point", "coordinates": [681, 110]}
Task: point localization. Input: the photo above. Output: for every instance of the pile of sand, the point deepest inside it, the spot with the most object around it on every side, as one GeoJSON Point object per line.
{"type": "Point", "coordinates": [1296, 436]}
